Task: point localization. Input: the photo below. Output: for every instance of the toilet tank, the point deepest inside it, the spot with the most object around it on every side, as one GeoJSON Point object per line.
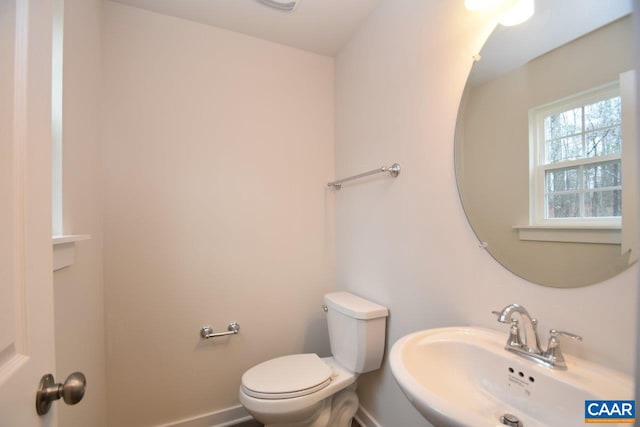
{"type": "Point", "coordinates": [356, 331]}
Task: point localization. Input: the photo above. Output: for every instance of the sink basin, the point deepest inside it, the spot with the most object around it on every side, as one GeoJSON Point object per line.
{"type": "Point", "coordinates": [462, 376]}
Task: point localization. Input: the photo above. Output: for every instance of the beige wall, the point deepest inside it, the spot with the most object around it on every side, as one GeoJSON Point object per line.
{"type": "Point", "coordinates": [216, 151]}
{"type": "Point", "coordinates": [493, 155]}
{"type": "Point", "coordinates": [636, 22]}
{"type": "Point", "coordinates": [405, 242]}
{"type": "Point", "coordinates": [78, 290]}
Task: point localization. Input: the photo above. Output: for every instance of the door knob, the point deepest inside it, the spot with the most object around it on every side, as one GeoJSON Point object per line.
{"type": "Point", "coordinates": [71, 391]}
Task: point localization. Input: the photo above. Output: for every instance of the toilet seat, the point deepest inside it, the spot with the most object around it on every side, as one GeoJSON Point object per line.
{"type": "Point", "coordinates": [287, 377]}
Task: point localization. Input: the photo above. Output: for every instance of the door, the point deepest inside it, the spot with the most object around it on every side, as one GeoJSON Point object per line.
{"type": "Point", "coordinates": [26, 292]}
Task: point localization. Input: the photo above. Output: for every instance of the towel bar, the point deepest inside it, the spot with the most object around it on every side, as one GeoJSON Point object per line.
{"type": "Point", "coordinates": [206, 332]}
{"type": "Point", "coordinates": [394, 171]}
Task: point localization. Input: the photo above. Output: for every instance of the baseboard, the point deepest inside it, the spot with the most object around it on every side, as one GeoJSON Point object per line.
{"type": "Point", "coordinates": [223, 418]}
{"type": "Point", "coordinates": [365, 419]}
{"type": "Point", "coordinates": [237, 414]}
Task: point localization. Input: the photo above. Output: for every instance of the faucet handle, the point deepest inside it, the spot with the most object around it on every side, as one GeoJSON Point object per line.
{"type": "Point", "coordinates": [514, 331]}
{"type": "Point", "coordinates": [514, 335]}
{"type": "Point", "coordinates": [553, 333]}
{"type": "Point", "coordinates": [553, 352]}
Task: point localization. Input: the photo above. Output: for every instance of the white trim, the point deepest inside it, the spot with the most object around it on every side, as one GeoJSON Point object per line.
{"type": "Point", "coordinates": [222, 418]}
{"type": "Point", "coordinates": [69, 238]}
{"type": "Point", "coordinates": [630, 165]}
{"type": "Point", "coordinates": [365, 419]}
{"type": "Point", "coordinates": [537, 162]}
{"type": "Point", "coordinates": [20, 142]}
{"type": "Point", "coordinates": [601, 235]}
{"type": "Point", "coordinates": [64, 252]}
{"type": "Point", "coordinates": [56, 116]}
{"type": "Point", "coordinates": [237, 414]}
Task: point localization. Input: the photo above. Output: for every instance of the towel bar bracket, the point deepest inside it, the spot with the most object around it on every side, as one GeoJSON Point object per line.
{"type": "Point", "coordinates": [206, 332]}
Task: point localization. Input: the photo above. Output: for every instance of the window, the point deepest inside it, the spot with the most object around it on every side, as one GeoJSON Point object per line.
{"type": "Point", "coordinates": [576, 166]}
{"type": "Point", "coordinates": [63, 245]}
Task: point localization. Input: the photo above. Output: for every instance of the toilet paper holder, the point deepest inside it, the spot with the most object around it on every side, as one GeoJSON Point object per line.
{"type": "Point", "coordinates": [206, 332]}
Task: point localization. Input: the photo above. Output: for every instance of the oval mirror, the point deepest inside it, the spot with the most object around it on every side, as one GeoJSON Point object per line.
{"type": "Point", "coordinates": [538, 154]}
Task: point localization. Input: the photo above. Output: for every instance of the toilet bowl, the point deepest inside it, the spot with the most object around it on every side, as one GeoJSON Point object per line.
{"type": "Point", "coordinates": [300, 406]}
{"type": "Point", "coordinates": [304, 390]}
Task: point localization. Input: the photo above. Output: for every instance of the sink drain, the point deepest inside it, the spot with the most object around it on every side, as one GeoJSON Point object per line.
{"type": "Point", "coordinates": [511, 420]}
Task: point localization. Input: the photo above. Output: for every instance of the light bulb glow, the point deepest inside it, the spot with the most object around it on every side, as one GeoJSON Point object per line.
{"type": "Point", "coordinates": [481, 4]}
{"type": "Point", "coordinates": [518, 13]}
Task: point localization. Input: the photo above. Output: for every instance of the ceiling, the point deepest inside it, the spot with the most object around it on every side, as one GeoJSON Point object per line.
{"type": "Point", "coordinates": [553, 24]}
{"type": "Point", "coordinates": [321, 26]}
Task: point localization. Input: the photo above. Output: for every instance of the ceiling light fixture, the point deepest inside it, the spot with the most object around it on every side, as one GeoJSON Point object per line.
{"type": "Point", "coordinates": [518, 13]}
{"type": "Point", "coordinates": [481, 4]}
{"type": "Point", "coordinates": [514, 12]}
{"type": "Point", "coordinates": [284, 6]}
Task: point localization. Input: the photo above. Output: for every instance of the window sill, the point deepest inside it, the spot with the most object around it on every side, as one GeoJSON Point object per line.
{"type": "Point", "coordinates": [64, 249]}
{"type": "Point", "coordinates": [610, 235]}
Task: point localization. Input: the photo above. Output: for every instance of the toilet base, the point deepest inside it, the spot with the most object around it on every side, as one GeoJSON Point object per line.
{"type": "Point", "coordinates": [344, 407]}
{"type": "Point", "coordinates": [336, 411]}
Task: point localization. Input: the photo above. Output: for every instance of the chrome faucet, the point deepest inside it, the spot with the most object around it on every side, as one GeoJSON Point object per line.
{"type": "Point", "coordinates": [529, 345]}
{"type": "Point", "coordinates": [531, 342]}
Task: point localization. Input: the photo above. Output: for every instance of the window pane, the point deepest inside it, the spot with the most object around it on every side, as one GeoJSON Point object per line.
{"type": "Point", "coordinates": [563, 124]}
{"type": "Point", "coordinates": [603, 203]}
{"type": "Point", "coordinates": [563, 206]}
{"type": "Point", "coordinates": [570, 148]}
{"type": "Point", "coordinates": [603, 113]}
{"type": "Point", "coordinates": [581, 149]}
{"type": "Point", "coordinates": [561, 180]}
{"type": "Point", "coordinates": [602, 142]}
{"type": "Point", "coordinates": [601, 175]}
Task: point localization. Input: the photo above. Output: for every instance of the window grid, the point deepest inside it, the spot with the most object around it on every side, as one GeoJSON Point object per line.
{"type": "Point", "coordinates": [581, 191]}
{"type": "Point", "coordinates": [541, 196]}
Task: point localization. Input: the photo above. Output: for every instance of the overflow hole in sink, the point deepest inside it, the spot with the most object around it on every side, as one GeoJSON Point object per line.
{"type": "Point", "coordinates": [521, 375]}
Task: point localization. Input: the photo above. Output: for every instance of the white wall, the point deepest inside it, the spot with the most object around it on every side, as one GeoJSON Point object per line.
{"type": "Point", "coordinates": [405, 242]}
{"type": "Point", "coordinates": [78, 290]}
{"type": "Point", "coordinates": [216, 152]}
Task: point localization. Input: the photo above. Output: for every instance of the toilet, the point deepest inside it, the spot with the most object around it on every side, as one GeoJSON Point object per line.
{"type": "Point", "coordinates": [304, 390]}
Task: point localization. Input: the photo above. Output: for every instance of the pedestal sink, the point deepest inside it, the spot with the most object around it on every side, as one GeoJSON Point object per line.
{"type": "Point", "coordinates": [462, 376]}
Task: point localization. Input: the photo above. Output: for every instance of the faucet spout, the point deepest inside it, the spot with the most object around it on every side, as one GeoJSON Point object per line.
{"type": "Point", "coordinates": [504, 315]}
{"type": "Point", "coordinates": [531, 342]}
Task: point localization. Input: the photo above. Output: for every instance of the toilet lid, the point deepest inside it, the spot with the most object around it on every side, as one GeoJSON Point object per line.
{"type": "Point", "coordinates": [286, 377]}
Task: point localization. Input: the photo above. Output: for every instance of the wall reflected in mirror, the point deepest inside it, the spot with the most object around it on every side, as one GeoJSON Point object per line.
{"type": "Point", "coordinates": [558, 54]}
